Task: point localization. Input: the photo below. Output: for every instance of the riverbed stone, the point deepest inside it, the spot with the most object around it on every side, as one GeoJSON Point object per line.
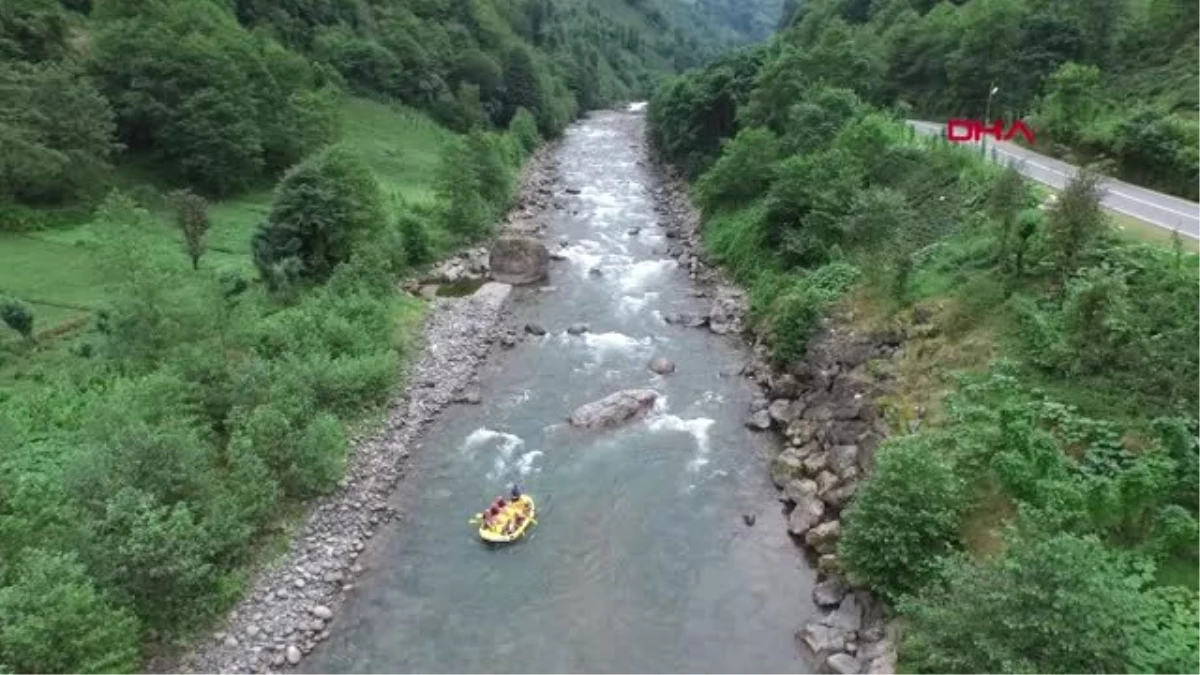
{"type": "Point", "coordinates": [785, 467]}
{"type": "Point", "coordinates": [815, 463]}
{"type": "Point", "coordinates": [662, 365]}
{"type": "Point", "coordinates": [830, 592]}
{"type": "Point", "coordinates": [578, 328]}
{"type": "Point", "coordinates": [518, 260]}
{"type": "Point", "coordinates": [799, 489]}
{"type": "Point", "coordinates": [844, 459]}
{"type": "Point", "coordinates": [783, 411]}
{"type": "Point", "coordinates": [848, 617]}
{"type": "Point", "coordinates": [759, 421]}
{"type": "Point", "coordinates": [322, 612]}
{"type": "Point", "coordinates": [826, 481]}
{"type": "Point", "coordinates": [824, 537]}
{"type": "Point", "coordinates": [292, 654]}
{"type": "Point", "coordinates": [822, 640]}
{"type": "Point", "coordinates": [807, 514]}
{"type": "Point", "coordinates": [843, 664]}
{"type": "Point", "coordinates": [784, 386]}
{"type": "Point", "coordinates": [837, 498]}
{"type": "Point", "coordinates": [614, 409]}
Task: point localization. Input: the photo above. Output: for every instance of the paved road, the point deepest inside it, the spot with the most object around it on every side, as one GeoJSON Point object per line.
{"type": "Point", "coordinates": [1156, 208]}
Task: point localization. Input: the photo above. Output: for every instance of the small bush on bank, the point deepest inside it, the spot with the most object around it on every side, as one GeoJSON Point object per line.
{"type": "Point", "coordinates": [744, 171]}
{"type": "Point", "coordinates": [904, 518]}
{"type": "Point", "coordinates": [321, 208]}
{"type": "Point", "coordinates": [1050, 604]}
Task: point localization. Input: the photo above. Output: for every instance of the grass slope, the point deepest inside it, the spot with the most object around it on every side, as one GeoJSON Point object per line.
{"type": "Point", "coordinates": [55, 271]}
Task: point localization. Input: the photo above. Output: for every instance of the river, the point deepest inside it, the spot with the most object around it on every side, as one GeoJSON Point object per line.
{"type": "Point", "coordinates": [641, 561]}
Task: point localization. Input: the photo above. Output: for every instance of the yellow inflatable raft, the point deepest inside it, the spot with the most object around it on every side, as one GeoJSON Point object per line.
{"type": "Point", "coordinates": [497, 534]}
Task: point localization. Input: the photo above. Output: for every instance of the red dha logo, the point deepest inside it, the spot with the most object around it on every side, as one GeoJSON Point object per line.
{"type": "Point", "coordinates": [962, 130]}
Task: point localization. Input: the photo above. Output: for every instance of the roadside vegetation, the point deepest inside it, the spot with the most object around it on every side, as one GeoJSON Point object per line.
{"type": "Point", "coordinates": [1110, 81]}
{"type": "Point", "coordinates": [204, 209]}
{"type": "Point", "coordinates": [1042, 517]}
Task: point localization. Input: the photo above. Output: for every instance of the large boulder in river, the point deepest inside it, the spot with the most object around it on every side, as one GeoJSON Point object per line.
{"type": "Point", "coordinates": [519, 260]}
{"type": "Point", "coordinates": [614, 408]}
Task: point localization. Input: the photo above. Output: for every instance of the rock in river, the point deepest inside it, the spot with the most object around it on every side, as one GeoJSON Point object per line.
{"type": "Point", "coordinates": [759, 421]}
{"type": "Point", "coordinates": [614, 408]}
{"type": "Point", "coordinates": [577, 328]}
{"type": "Point", "coordinates": [662, 366]}
{"type": "Point", "coordinates": [519, 260]}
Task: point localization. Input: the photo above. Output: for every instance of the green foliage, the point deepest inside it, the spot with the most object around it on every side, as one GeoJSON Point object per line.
{"type": "Point", "coordinates": [54, 619]}
{"type": "Point", "coordinates": [524, 129]}
{"type": "Point", "coordinates": [57, 131]}
{"type": "Point", "coordinates": [33, 31]}
{"type": "Point", "coordinates": [1075, 223]}
{"type": "Point", "coordinates": [1068, 605]}
{"type": "Point", "coordinates": [320, 209]}
{"type": "Point", "coordinates": [904, 518]}
{"type": "Point", "coordinates": [418, 246]}
{"type": "Point", "coordinates": [475, 184]}
{"type": "Point", "coordinates": [690, 116]}
{"type": "Point", "coordinates": [213, 103]}
{"type": "Point", "coordinates": [744, 171]}
{"type": "Point", "coordinates": [797, 312]}
{"type": "Point", "coordinates": [191, 215]}
{"type": "Point", "coordinates": [17, 316]}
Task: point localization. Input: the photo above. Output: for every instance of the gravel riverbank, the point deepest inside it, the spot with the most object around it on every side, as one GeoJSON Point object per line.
{"type": "Point", "coordinates": [288, 606]}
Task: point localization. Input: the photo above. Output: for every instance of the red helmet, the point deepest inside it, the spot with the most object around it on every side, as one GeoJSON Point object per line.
{"type": "Point", "coordinates": [494, 511]}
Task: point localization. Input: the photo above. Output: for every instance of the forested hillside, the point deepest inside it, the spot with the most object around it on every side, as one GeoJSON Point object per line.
{"type": "Point", "coordinates": [1097, 80]}
{"type": "Point", "coordinates": [1036, 507]}
{"type": "Point", "coordinates": [748, 21]}
{"type": "Point", "coordinates": [204, 208]}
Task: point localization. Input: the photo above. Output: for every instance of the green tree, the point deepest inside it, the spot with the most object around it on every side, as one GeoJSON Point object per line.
{"type": "Point", "coordinates": [196, 92]}
{"type": "Point", "coordinates": [1076, 222]}
{"type": "Point", "coordinates": [418, 246]}
{"type": "Point", "coordinates": [522, 82]}
{"type": "Point", "coordinates": [53, 619]}
{"type": "Point", "coordinates": [17, 316]}
{"type": "Point", "coordinates": [33, 30]}
{"type": "Point", "coordinates": [321, 207]}
{"type": "Point", "coordinates": [57, 131]}
{"type": "Point", "coordinates": [1053, 604]}
{"type": "Point", "coordinates": [1008, 196]}
{"type": "Point", "coordinates": [744, 171]}
{"type": "Point", "coordinates": [904, 518]}
{"type": "Point", "coordinates": [191, 215]}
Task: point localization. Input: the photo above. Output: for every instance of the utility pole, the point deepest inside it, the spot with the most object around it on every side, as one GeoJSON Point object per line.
{"type": "Point", "coordinates": [987, 118]}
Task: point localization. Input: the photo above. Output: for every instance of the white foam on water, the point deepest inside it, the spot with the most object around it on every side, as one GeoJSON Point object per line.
{"type": "Point", "coordinates": [632, 304]}
{"type": "Point", "coordinates": [644, 272]}
{"type": "Point", "coordinates": [604, 345]}
{"type": "Point", "coordinates": [698, 428]}
{"type": "Point", "coordinates": [484, 436]}
{"type": "Point", "coordinates": [524, 463]}
{"type": "Point", "coordinates": [639, 106]}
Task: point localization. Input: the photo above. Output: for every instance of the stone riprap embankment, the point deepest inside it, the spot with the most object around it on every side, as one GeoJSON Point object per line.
{"type": "Point", "coordinates": [825, 409]}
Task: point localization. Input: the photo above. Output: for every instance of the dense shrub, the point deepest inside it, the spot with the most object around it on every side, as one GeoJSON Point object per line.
{"type": "Point", "coordinates": [904, 518]}
{"type": "Point", "coordinates": [744, 171]}
{"type": "Point", "coordinates": [797, 312]}
{"type": "Point", "coordinates": [57, 131]}
{"type": "Point", "coordinates": [320, 209]}
{"type": "Point", "coordinates": [1065, 604]}
{"type": "Point", "coordinates": [524, 129]}
{"type": "Point", "coordinates": [198, 93]}
{"type": "Point", "coordinates": [474, 184]}
{"type": "Point", "coordinates": [54, 619]}
{"type": "Point", "coordinates": [17, 316]}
